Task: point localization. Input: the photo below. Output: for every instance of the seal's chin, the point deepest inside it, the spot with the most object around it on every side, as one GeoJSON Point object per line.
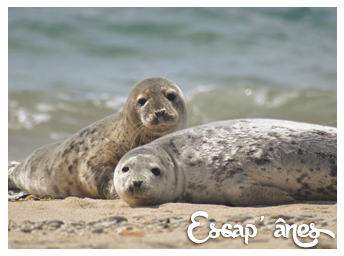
{"type": "Point", "coordinates": [140, 201]}
{"type": "Point", "coordinates": [160, 130]}
{"type": "Point", "coordinates": [138, 197]}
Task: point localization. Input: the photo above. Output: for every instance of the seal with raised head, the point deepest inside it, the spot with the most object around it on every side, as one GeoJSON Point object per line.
{"type": "Point", "coordinates": [84, 164]}
{"type": "Point", "coordinates": [237, 162]}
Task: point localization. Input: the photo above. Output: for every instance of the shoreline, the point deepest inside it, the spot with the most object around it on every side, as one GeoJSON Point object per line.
{"type": "Point", "coordinates": [94, 223]}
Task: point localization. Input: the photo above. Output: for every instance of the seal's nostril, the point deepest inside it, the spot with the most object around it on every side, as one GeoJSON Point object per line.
{"type": "Point", "coordinates": [160, 113]}
{"type": "Point", "coordinates": [137, 183]}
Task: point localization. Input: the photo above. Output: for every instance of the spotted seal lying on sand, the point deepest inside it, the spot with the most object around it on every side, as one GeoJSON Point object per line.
{"type": "Point", "coordinates": [238, 162]}
{"type": "Point", "coordinates": [84, 164]}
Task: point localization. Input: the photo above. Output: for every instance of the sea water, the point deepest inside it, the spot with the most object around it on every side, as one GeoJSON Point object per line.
{"type": "Point", "coordinates": [69, 67]}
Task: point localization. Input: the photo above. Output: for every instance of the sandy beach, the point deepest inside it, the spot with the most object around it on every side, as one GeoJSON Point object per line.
{"type": "Point", "coordinates": [89, 223]}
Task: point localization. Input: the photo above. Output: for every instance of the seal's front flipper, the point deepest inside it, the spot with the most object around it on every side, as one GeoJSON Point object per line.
{"type": "Point", "coordinates": [11, 167]}
{"type": "Point", "coordinates": [262, 195]}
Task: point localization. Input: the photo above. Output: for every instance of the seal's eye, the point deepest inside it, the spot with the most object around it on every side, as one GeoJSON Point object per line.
{"type": "Point", "coordinates": [142, 101]}
{"type": "Point", "coordinates": [125, 169]}
{"type": "Point", "coordinates": [171, 96]}
{"type": "Point", "coordinates": [155, 171]}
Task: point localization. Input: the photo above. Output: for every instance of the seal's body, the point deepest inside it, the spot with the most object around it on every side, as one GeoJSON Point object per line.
{"type": "Point", "coordinates": [84, 164]}
{"type": "Point", "coordinates": [237, 162]}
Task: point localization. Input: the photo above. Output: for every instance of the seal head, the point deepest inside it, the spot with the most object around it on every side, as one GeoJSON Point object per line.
{"type": "Point", "coordinates": [157, 107]}
{"type": "Point", "coordinates": [144, 177]}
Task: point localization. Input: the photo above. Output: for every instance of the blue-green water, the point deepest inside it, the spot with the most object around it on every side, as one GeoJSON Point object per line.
{"type": "Point", "coordinates": [69, 67]}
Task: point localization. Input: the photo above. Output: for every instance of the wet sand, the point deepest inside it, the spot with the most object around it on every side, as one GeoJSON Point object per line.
{"type": "Point", "coordinates": [89, 223]}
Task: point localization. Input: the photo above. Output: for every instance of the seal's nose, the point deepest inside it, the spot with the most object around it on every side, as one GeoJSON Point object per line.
{"type": "Point", "coordinates": [160, 113]}
{"type": "Point", "coordinates": [137, 183]}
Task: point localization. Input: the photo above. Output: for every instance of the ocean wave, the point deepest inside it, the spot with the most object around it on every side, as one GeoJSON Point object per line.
{"type": "Point", "coordinates": [47, 115]}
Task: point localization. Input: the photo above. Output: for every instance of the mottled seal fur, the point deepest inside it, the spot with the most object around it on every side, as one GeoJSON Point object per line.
{"type": "Point", "coordinates": [238, 162]}
{"type": "Point", "coordinates": [84, 164]}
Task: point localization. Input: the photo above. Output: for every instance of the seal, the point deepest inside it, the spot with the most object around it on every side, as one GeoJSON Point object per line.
{"type": "Point", "coordinates": [236, 162]}
{"type": "Point", "coordinates": [84, 164]}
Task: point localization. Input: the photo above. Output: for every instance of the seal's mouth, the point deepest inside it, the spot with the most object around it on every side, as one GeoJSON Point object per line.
{"type": "Point", "coordinates": [161, 129]}
{"type": "Point", "coordinates": [137, 192]}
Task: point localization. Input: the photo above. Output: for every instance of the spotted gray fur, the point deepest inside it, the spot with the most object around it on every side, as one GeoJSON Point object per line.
{"type": "Point", "coordinates": [237, 162]}
{"type": "Point", "coordinates": [84, 164]}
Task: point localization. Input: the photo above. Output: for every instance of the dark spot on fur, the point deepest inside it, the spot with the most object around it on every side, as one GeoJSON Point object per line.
{"type": "Point", "coordinates": [67, 151]}
{"type": "Point", "coordinates": [188, 197]}
{"type": "Point", "coordinates": [191, 185]}
{"type": "Point", "coordinates": [93, 130]}
{"type": "Point", "coordinates": [305, 185]}
{"type": "Point", "coordinates": [260, 161]}
{"type": "Point", "coordinates": [321, 133]}
{"type": "Point", "coordinates": [33, 168]}
{"type": "Point", "coordinates": [174, 148]}
{"type": "Point", "coordinates": [293, 142]}
{"type": "Point", "coordinates": [333, 172]}
{"type": "Point", "coordinates": [299, 152]}
{"type": "Point", "coordinates": [299, 180]}
{"type": "Point", "coordinates": [320, 190]}
{"type": "Point", "coordinates": [263, 169]}
{"type": "Point", "coordinates": [298, 170]}
{"type": "Point", "coordinates": [192, 164]}
{"type": "Point", "coordinates": [306, 193]}
{"type": "Point", "coordinates": [331, 189]}
{"type": "Point", "coordinates": [274, 134]}
{"type": "Point", "coordinates": [331, 158]}
{"type": "Point", "coordinates": [227, 161]}
{"type": "Point", "coordinates": [234, 172]}
{"type": "Point", "coordinates": [241, 187]}
{"type": "Point", "coordinates": [201, 187]}
{"type": "Point", "coordinates": [70, 169]}
{"type": "Point", "coordinates": [102, 179]}
{"type": "Point", "coordinates": [56, 189]}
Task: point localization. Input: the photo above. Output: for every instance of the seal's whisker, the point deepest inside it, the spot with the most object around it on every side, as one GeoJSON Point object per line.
{"type": "Point", "coordinates": [138, 131]}
{"type": "Point", "coordinates": [134, 134]}
{"type": "Point", "coordinates": [143, 137]}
